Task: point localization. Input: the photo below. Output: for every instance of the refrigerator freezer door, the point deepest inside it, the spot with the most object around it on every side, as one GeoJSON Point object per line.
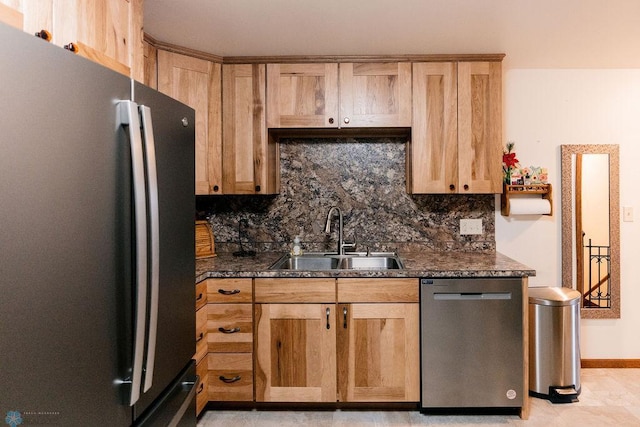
{"type": "Point", "coordinates": [65, 235]}
{"type": "Point", "coordinates": [176, 406]}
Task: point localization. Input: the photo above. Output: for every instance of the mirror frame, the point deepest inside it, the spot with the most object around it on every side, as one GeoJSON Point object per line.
{"type": "Point", "coordinates": [567, 152]}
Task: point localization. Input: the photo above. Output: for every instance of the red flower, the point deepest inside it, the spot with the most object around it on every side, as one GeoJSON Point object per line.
{"type": "Point", "coordinates": [509, 159]}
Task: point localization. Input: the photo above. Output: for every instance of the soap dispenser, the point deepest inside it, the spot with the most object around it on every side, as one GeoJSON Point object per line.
{"type": "Point", "coordinates": [296, 250]}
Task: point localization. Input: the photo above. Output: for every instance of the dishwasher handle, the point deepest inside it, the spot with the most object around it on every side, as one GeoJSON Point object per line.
{"type": "Point", "coordinates": [461, 296]}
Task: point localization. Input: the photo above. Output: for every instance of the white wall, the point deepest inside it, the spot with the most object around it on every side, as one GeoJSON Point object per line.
{"type": "Point", "coordinates": [544, 108]}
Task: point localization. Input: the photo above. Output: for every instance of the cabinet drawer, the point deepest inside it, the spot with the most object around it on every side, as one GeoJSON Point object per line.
{"type": "Point", "coordinates": [378, 290]}
{"type": "Point", "coordinates": [201, 333]}
{"type": "Point", "coordinates": [201, 294]}
{"type": "Point", "coordinates": [230, 328]}
{"type": "Point", "coordinates": [230, 376]}
{"type": "Point", "coordinates": [295, 290]}
{"type": "Point", "coordinates": [229, 290]}
{"type": "Point", "coordinates": [202, 396]}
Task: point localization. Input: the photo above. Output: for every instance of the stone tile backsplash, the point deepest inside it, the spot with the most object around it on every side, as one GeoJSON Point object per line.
{"type": "Point", "coordinates": [365, 178]}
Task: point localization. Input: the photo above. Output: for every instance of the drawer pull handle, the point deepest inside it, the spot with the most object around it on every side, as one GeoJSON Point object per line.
{"type": "Point", "coordinates": [233, 292]}
{"type": "Point", "coordinates": [201, 388]}
{"type": "Point", "coordinates": [229, 331]}
{"type": "Point", "coordinates": [230, 380]}
{"type": "Point", "coordinates": [344, 312]}
{"type": "Point", "coordinates": [200, 337]}
{"type": "Point", "coordinates": [328, 324]}
{"type": "Point", "coordinates": [200, 295]}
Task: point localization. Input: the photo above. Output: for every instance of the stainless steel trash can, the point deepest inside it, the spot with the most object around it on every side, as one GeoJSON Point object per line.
{"type": "Point", "coordinates": [554, 344]}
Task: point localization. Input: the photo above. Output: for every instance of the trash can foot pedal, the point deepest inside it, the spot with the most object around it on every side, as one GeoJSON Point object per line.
{"type": "Point", "coordinates": [563, 394]}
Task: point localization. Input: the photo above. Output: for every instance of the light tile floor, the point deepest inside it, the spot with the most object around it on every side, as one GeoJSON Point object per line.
{"type": "Point", "coordinates": [609, 397]}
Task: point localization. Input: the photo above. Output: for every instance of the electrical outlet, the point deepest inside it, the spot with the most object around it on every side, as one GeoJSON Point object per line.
{"type": "Point", "coordinates": [470, 226]}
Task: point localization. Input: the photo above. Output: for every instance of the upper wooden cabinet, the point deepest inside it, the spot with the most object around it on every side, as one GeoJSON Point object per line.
{"type": "Point", "coordinates": [339, 95]}
{"type": "Point", "coordinates": [457, 128]}
{"type": "Point", "coordinates": [107, 32]}
{"type": "Point", "coordinates": [249, 161]}
{"type": "Point", "coordinates": [196, 82]}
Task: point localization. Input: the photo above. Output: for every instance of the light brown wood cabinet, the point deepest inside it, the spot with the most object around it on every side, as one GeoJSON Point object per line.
{"type": "Point", "coordinates": [107, 32]}
{"type": "Point", "coordinates": [197, 83]}
{"type": "Point", "coordinates": [295, 340]}
{"type": "Point", "coordinates": [345, 95]}
{"type": "Point", "coordinates": [362, 349]}
{"type": "Point", "coordinates": [456, 135]}
{"type": "Point", "coordinates": [229, 340]}
{"type": "Point", "coordinates": [378, 340]}
{"type": "Point", "coordinates": [201, 346]}
{"type": "Point", "coordinates": [249, 160]}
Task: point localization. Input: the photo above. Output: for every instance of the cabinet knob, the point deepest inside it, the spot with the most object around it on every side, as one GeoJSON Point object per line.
{"type": "Point", "coordinates": [257, 188]}
{"type": "Point", "coordinates": [466, 186]}
{"type": "Point", "coordinates": [44, 35]}
{"type": "Point", "coordinates": [216, 188]}
{"type": "Point", "coordinates": [72, 47]}
{"type": "Point", "coordinates": [452, 187]}
{"type": "Point", "coordinates": [346, 120]}
{"type": "Point", "coordinates": [330, 120]}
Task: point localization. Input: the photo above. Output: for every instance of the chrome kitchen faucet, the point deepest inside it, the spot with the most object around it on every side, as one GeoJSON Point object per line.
{"type": "Point", "coordinates": [327, 229]}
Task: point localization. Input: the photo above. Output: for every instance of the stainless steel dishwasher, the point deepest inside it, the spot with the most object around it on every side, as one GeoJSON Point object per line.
{"type": "Point", "coordinates": [471, 343]}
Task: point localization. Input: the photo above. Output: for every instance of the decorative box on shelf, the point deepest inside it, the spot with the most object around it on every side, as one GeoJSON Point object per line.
{"type": "Point", "coordinates": [523, 200]}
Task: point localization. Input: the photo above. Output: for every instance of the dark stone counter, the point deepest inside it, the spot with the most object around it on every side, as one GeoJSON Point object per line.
{"type": "Point", "coordinates": [417, 264]}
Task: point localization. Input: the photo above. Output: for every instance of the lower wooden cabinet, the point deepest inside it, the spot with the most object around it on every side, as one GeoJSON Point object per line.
{"type": "Point", "coordinates": [378, 353]}
{"type": "Point", "coordinates": [202, 396]}
{"type": "Point", "coordinates": [230, 377]}
{"type": "Point", "coordinates": [201, 345]}
{"type": "Point", "coordinates": [364, 347]}
{"type": "Point", "coordinates": [296, 352]}
{"type": "Point", "coordinates": [229, 334]}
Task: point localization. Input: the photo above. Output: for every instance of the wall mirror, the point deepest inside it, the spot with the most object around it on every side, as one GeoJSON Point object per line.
{"type": "Point", "coordinates": [591, 227]}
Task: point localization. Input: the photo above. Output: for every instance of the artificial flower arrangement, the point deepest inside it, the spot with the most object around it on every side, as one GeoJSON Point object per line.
{"type": "Point", "coordinates": [515, 175]}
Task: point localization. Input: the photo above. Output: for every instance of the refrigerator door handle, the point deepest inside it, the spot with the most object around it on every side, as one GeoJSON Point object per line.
{"type": "Point", "coordinates": [128, 115]}
{"type": "Point", "coordinates": [154, 227]}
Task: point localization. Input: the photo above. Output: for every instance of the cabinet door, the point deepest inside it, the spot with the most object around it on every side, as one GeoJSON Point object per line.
{"type": "Point", "coordinates": [296, 353]}
{"type": "Point", "coordinates": [245, 146]}
{"type": "Point", "coordinates": [480, 127]}
{"type": "Point", "coordinates": [302, 95]}
{"type": "Point", "coordinates": [375, 94]}
{"type": "Point", "coordinates": [107, 32]}
{"type": "Point", "coordinates": [434, 136]}
{"type": "Point", "coordinates": [196, 82]}
{"type": "Point", "coordinates": [379, 352]}
{"type": "Point", "coordinates": [10, 14]}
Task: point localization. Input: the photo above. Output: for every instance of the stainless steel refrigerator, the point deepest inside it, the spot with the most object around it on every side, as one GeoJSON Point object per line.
{"type": "Point", "coordinates": [97, 244]}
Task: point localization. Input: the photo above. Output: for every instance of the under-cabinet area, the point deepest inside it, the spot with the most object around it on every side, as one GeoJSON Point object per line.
{"type": "Point", "coordinates": [346, 338]}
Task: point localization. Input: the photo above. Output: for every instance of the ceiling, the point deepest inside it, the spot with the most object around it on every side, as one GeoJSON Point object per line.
{"type": "Point", "coordinates": [532, 34]}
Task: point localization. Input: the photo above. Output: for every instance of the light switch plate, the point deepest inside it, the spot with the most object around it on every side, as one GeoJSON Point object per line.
{"type": "Point", "coordinates": [470, 226]}
{"type": "Point", "coordinates": [627, 214]}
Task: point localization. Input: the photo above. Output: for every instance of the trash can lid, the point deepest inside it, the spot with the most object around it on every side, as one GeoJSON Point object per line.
{"type": "Point", "coordinates": [556, 296]}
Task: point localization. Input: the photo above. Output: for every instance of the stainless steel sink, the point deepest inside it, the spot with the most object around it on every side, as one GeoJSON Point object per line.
{"type": "Point", "coordinates": [332, 261]}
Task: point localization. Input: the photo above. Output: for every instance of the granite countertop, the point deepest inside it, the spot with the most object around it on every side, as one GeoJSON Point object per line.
{"type": "Point", "coordinates": [416, 264]}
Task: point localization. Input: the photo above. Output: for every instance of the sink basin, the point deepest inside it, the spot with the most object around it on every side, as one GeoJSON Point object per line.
{"type": "Point", "coordinates": [322, 262]}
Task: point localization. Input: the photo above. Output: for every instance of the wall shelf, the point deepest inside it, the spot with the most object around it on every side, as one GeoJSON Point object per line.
{"type": "Point", "coordinates": [508, 191]}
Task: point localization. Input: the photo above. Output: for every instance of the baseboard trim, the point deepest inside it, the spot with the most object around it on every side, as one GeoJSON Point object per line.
{"type": "Point", "coordinates": [610, 363]}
